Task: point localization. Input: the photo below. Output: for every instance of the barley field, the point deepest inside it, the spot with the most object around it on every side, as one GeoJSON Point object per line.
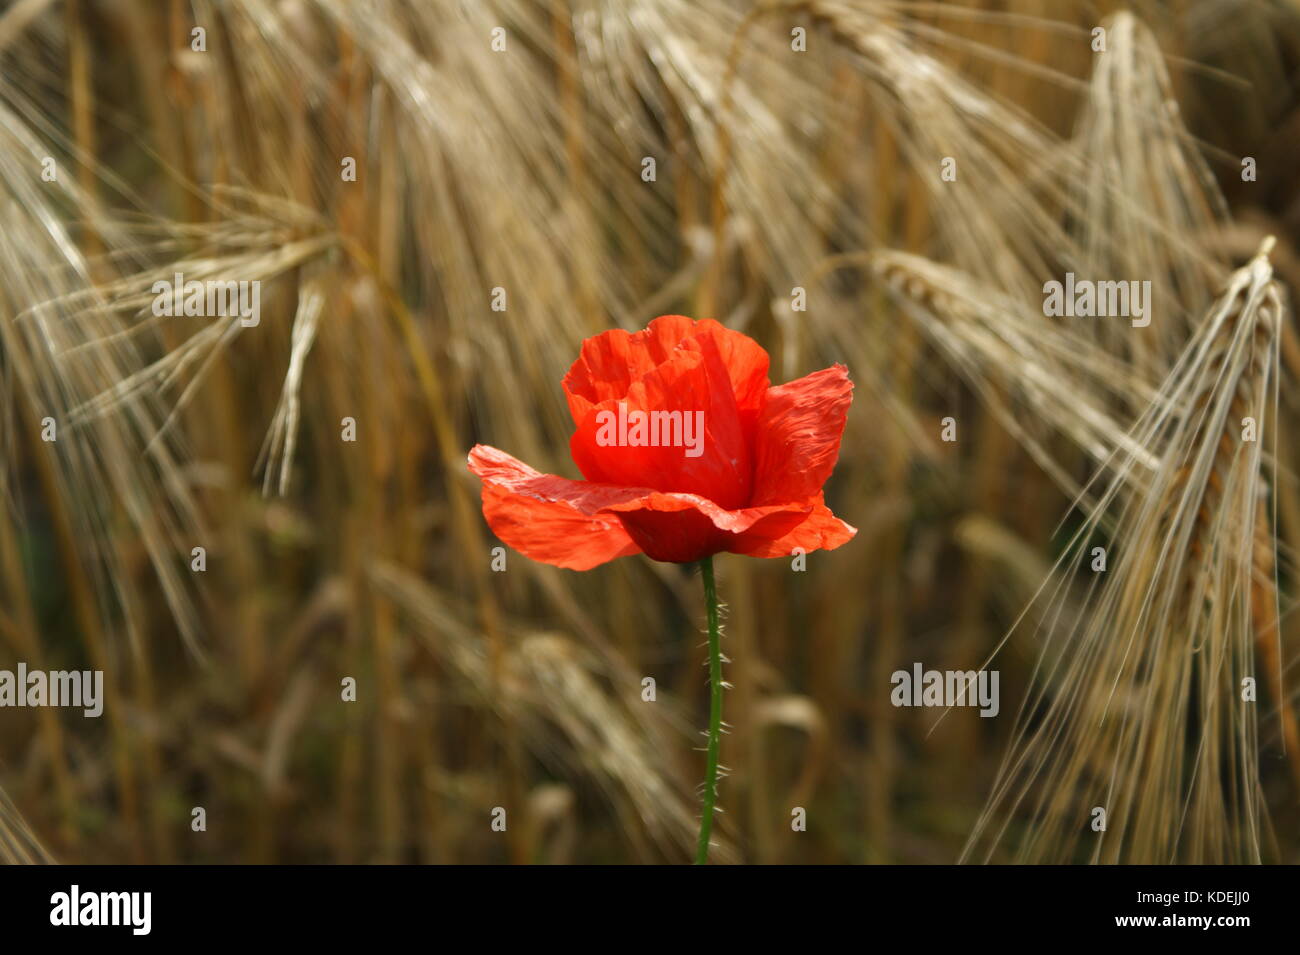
{"type": "Point", "coordinates": [250, 511]}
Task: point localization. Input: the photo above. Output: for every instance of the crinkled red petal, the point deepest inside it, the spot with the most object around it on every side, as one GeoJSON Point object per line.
{"type": "Point", "coordinates": [798, 436]}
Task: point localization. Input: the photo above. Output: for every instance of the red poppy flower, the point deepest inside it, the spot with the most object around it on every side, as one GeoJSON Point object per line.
{"type": "Point", "coordinates": [740, 469]}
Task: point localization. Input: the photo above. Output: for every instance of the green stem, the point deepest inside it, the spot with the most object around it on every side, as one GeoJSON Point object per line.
{"type": "Point", "coordinates": [715, 711]}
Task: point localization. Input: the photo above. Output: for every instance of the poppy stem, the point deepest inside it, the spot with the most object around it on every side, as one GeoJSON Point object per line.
{"type": "Point", "coordinates": [715, 711]}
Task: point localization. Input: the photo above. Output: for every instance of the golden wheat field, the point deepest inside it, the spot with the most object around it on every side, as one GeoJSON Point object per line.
{"type": "Point", "coordinates": [256, 528]}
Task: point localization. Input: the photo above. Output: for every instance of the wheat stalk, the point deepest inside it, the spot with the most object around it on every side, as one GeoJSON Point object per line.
{"type": "Point", "coordinates": [1138, 706]}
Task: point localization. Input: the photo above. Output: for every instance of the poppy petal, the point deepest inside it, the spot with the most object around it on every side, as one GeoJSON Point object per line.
{"type": "Point", "coordinates": [817, 530]}
{"type": "Point", "coordinates": [552, 530]}
{"type": "Point", "coordinates": [666, 526]}
{"type": "Point", "coordinates": [496, 467]}
{"type": "Point", "coordinates": [609, 363]}
{"type": "Point", "coordinates": [745, 360]}
{"type": "Point", "coordinates": [689, 396]}
{"type": "Point", "coordinates": [680, 528]}
{"type": "Point", "coordinates": [798, 435]}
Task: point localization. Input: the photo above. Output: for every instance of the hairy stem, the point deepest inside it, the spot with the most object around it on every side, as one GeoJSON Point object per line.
{"type": "Point", "coordinates": [715, 711]}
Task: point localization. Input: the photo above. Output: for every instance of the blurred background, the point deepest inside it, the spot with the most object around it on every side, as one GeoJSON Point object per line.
{"type": "Point", "coordinates": [798, 159]}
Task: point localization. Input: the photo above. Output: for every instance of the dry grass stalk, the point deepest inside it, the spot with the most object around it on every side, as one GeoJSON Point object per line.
{"type": "Point", "coordinates": [1138, 708]}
